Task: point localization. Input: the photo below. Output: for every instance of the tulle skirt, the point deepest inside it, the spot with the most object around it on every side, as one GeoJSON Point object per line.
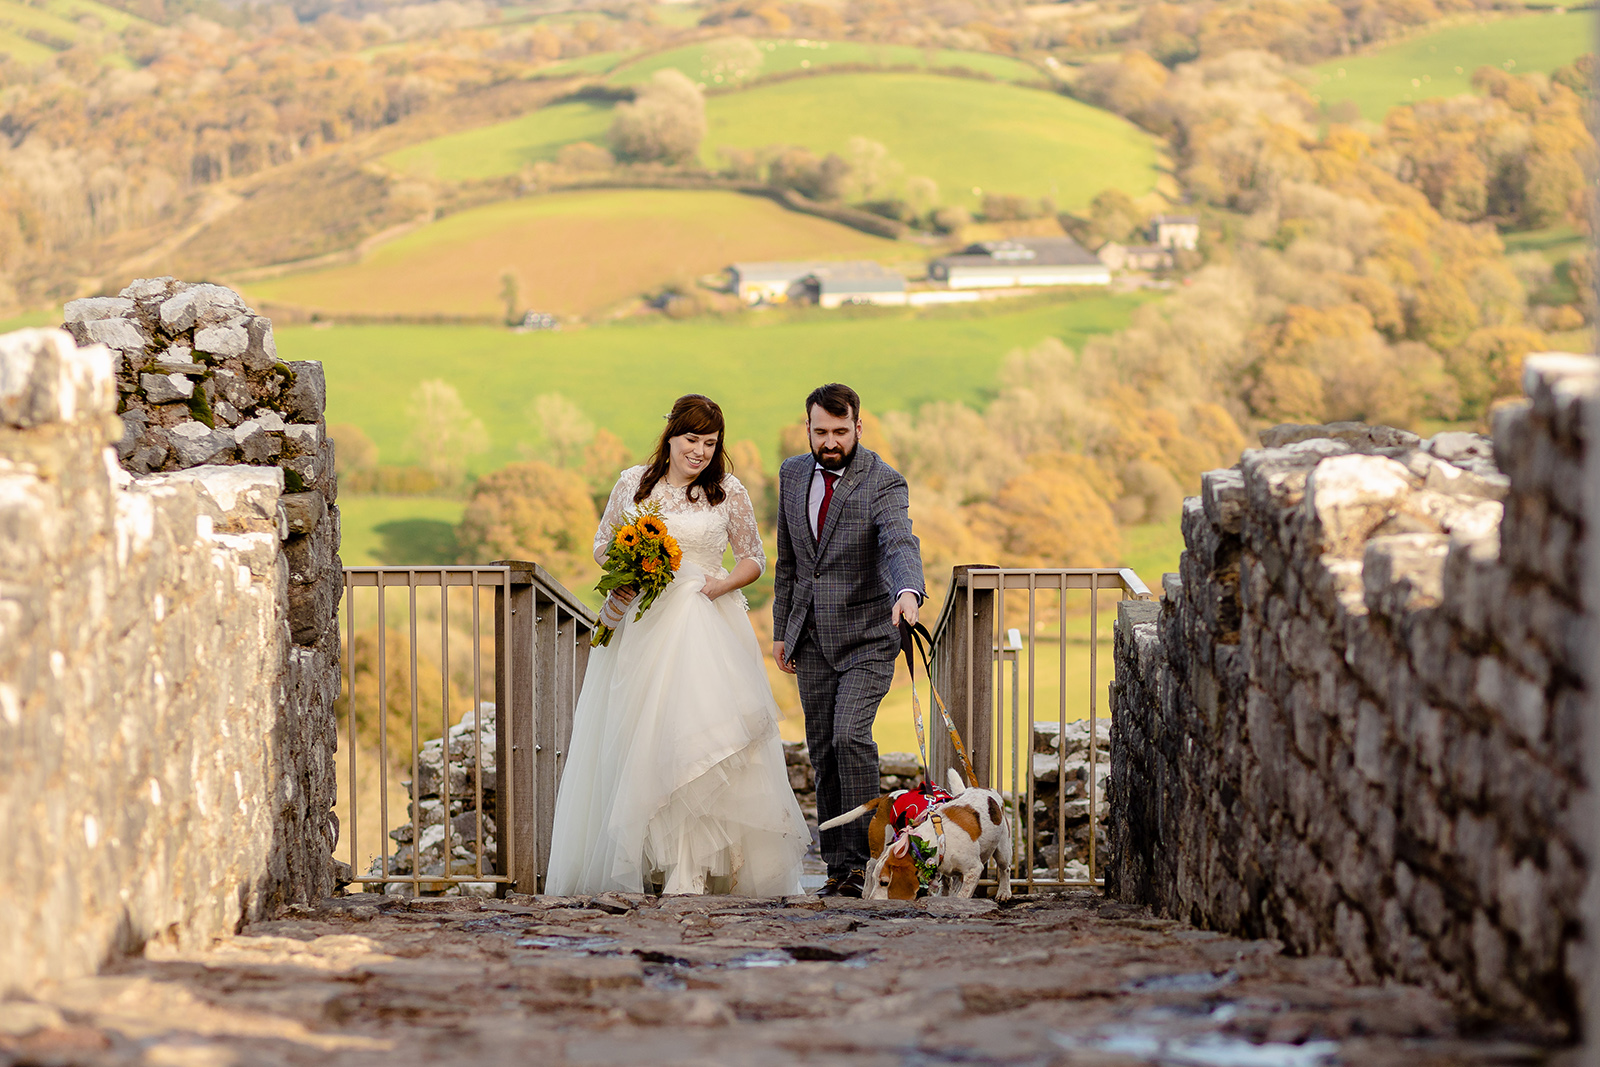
{"type": "Point", "coordinates": [675, 771]}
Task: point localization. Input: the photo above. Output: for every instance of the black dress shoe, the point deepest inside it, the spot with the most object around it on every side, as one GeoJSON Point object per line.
{"type": "Point", "coordinates": [830, 888]}
{"type": "Point", "coordinates": [854, 884]}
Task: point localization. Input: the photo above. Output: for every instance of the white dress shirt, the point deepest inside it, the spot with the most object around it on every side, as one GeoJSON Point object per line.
{"type": "Point", "coordinates": [819, 488]}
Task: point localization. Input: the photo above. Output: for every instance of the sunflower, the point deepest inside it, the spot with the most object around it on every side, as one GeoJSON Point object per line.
{"type": "Point", "coordinates": [627, 537]}
{"type": "Point", "coordinates": [652, 527]}
{"type": "Point", "coordinates": [649, 564]}
{"type": "Point", "coordinates": [675, 559]}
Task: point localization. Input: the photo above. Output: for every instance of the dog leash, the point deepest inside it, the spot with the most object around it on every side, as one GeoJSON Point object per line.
{"type": "Point", "coordinates": [919, 637]}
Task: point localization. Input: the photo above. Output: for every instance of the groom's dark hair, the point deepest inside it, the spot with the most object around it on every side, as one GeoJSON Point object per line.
{"type": "Point", "coordinates": [840, 401]}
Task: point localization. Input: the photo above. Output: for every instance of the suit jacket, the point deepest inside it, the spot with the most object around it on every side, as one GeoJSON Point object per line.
{"type": "Point", "coordinates": [848, 582]}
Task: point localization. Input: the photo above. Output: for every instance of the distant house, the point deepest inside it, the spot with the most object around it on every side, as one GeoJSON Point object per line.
{"type": "Point", "coordinates": [860, 282]}
{"type": "Point", "coordinates": [771, 283]}
{"type": "Point", "coordinates": [1175, 231]}
{"type": "Point", "coordinates": [1135, 257]}
{"type": "Point", "coordinates": [827, 284]}
{"type": "Point", "coordinates": [1020, 261]}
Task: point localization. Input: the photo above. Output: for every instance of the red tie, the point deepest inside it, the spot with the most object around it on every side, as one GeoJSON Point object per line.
{"type": "Point", "coordinates": [828, 478]}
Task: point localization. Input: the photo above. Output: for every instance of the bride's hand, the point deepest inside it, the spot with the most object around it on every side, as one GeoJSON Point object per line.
{"type": "Point", "coordinates": [714, 588]}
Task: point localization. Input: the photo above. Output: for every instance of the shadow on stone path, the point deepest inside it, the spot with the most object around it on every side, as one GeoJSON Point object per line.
{"type": "Point", "coordinates": [544, 982]}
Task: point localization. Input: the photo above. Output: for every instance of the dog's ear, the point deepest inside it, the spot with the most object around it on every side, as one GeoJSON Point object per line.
{"type": "Point", "coordinates": [957, 786]}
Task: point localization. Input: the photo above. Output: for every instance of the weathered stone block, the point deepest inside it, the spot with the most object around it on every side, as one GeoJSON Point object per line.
{"type": "Point", "coordinates": [1403, 573]}
{"type": "Point", "coordinates": [308, 396]}
{"type": "Point", "coordinates": [223, 342]}
{"type": "Point", "coordinates": [166, 388]}
{"type": "Point", "coordinates": [1348, 497]}
{"type": "Point", "coordinates": [194, 444]}
{"type": "Point", "coordinates": [45, 378]}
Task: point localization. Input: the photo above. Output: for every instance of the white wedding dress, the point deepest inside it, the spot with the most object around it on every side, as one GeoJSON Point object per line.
{"type": "Point", "coordinates": [675, 770]}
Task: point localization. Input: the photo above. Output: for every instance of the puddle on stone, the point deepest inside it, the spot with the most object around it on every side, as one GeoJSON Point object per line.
{"type": "Point", "coordinates": [570, 944]}
{"type": "Point", "coordinates": [1201, 982]}
{"type": "Point", "coordinates": [767, 957]}
{"type": "Point", "coordinates": [1205, 1050]}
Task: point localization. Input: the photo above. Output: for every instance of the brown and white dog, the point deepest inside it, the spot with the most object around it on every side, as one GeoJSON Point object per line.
{"type": "Point", "coordinates": [971, 828]}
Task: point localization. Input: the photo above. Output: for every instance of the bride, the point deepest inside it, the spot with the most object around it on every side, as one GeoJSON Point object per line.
{"type": "Point", "coordinates": [675, 774]}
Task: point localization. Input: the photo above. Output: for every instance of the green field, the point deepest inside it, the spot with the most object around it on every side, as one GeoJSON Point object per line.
{"type": "Point", "coordinates": [700, 61]}
{"type": "Point", "coordinates": [378, 531]}
{"type": "Point", "coordinates": [58, 22]}
{"type": "Point", "coordinates": [1441, 63]}
{"type": "Point", "coordinates": [576, 253]}
{"type": "Point", "coordinates": [505, 147]}
{"type": "Point", "coordinates": [966, 135]}
{"type": "Point", "coordinates": [624, 377]}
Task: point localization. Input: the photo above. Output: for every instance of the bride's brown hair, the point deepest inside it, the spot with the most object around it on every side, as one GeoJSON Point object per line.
{"type": "Point", "coordinates": [690, 414]}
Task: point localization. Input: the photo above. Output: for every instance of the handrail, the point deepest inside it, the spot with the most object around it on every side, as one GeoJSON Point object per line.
{"type": "Point", "coordinates": [983, 576]}
{"type": "Point", "coordinates": [971, 649]}
{"type": "Point", "coordinates": [531, 573]}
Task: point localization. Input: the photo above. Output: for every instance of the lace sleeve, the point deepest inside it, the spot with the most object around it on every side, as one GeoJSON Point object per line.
{"type": "Point", "coordinates": [621, 499]}
{"type": "Point", "coordinates": [743, 532]}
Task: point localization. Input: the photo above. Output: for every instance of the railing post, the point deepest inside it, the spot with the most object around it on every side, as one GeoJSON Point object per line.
{"type": "Point", "coordinates": [968, 679]}
{"type": "Point", "coordinates": [516, 798]}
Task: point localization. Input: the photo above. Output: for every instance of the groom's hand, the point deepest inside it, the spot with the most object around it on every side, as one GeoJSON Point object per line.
{"type": "Point", "coordinates": [905, 608]}
{"type": "Point", "coordinates": [777, 654]}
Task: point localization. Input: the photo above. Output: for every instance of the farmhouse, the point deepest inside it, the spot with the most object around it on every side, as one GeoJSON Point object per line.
{"type": "Point", "coordinates": [1021, 261]}
{"type": "Point", "coordinates": [1135, 257]}
{"type": "Point", "coordinates": [827, 284]}
{"type": "Point", "coordinates": [1175, 231]}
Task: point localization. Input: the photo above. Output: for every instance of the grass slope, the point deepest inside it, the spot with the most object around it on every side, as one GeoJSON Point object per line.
{"type": "Point", "coordinates": [625, 376]}
{"type": "Point", "coordinates": [377, 531]}
{"type": "Point", "coordinates": [781, 55]}
{"type": "Point", "coordinates": [964, 134]}
{"type": "Point", "coordinates": [505, 147]}
{"type": "Point", "coordinates": [1441, 63]}
{"type": "Point", "coordinates": [575, 253]}
{"type": "Point", "coordinates": [33, 32]}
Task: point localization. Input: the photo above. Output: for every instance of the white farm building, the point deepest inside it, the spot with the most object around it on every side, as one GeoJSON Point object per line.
{"type": "Point", "coordinates": [1021, 261]}
{"type": "Point", "coordinates": [827, 284]}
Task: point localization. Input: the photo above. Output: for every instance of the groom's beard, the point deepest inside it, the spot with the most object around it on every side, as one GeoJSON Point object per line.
{"type": "Point", "coordinates": [834, 459]}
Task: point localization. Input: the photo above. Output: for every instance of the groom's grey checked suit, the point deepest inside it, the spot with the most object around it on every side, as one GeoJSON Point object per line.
{"type": "Point", "coordinates": [831, 606]}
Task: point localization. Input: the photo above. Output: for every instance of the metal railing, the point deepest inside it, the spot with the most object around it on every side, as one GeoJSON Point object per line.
{"type": "Point", "coordinates": [540, 648]}
{"type": "Point", "coordinates": [973, 646]}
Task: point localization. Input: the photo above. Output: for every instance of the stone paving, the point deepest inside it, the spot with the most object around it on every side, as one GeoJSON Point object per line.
{"type": "Point", "coordinates": [1069, 979]}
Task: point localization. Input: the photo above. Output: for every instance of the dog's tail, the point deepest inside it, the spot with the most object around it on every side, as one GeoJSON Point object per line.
{"type": "Point", "coordinates": [954, 782]}
{"type": "Point", "coordinates": [853, 814]}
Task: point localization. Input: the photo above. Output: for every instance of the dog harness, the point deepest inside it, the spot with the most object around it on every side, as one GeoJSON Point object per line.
{"type": "Point", "coordinates": [910, 810]}
{"type": "Point", "coordinates": [911, 806]}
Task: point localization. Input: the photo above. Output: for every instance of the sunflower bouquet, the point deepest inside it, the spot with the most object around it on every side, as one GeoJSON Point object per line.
{"type": "Point", "coordinates": [642, 555]}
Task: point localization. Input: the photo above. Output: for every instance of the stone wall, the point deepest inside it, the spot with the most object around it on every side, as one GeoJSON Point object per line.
{"type": "Point", "coordinates": [166, 742]}
{"type": "Point", "coordinates": [1355, 720]}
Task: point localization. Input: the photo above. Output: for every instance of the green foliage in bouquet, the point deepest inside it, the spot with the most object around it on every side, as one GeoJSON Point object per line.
{"type": "Point", "coordinates": [644, 556]}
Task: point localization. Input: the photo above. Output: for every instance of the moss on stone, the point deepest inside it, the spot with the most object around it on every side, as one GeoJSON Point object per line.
{"type": "Point", "coordinates": [200, 407]}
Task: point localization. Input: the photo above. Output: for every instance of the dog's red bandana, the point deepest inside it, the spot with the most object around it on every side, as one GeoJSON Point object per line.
{"type": "Point", "coordinates": [910, 806]}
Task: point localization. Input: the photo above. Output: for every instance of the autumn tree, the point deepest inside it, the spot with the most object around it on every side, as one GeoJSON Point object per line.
{"type": "Point", "coordinates": [559, 431]}
{"type": "Point", "coordinates": [531, 511]}
{"type": "Point", "coordinates": [664, 123]}
{"type": "Point", "coordinates": [445, 435]}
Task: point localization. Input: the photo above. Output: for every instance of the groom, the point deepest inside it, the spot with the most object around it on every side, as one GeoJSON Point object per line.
{"type": "Point", "coordinates": [849, 569]}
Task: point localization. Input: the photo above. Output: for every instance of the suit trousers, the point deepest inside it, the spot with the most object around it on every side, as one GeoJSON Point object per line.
{"type": "Point", "coordinates": [840, 707]}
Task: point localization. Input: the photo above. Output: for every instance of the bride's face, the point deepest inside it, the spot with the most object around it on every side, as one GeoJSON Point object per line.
{"type": "Point", "coordinates": [689, 454]}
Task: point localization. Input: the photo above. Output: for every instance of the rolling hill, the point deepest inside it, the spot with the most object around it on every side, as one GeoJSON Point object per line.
{"type": "Point", "coordinates": [32, 32]}
{"type": "Point", "coordinates": [1441, 63]}
{"type": "Point", "coordinates": [575, 253]}
{"type": "Point", "coordinates": [967, 135]}
{"type": "Point", "coordinates": [700, 61]}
